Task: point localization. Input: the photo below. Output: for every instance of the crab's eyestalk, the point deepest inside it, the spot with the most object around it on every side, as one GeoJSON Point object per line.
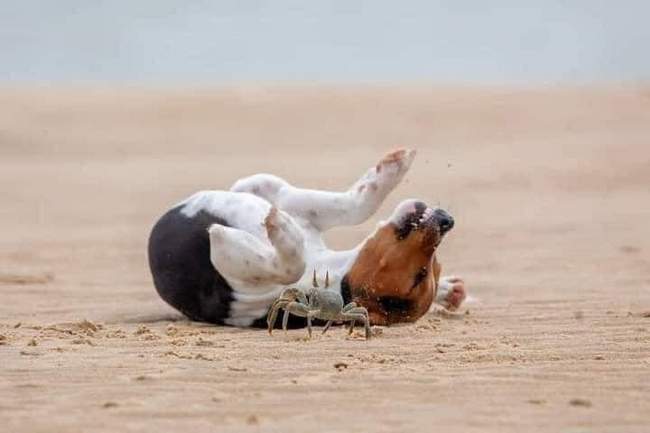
{"type": "Point", "coordinates": [314, 283]}
{"type": "Point", "coordinates": [327, 279]}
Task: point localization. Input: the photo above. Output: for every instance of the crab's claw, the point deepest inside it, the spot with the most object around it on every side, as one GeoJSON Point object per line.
{"type": "Point", "coordinates": [286, 297]}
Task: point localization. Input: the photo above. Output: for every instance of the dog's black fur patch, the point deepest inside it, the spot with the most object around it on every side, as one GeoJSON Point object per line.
{"type": "Point", "coordinates": [346, 290]}
{"type": "Point", "coordinates": [179, 259]}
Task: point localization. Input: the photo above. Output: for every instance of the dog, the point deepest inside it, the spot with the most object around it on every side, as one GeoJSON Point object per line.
{"type": "Point", "coordinates": [224, 256]}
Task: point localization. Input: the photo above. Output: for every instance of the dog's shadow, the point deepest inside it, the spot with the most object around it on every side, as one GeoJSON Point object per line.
{"type": "Point", "coordinates": [162, 318]}
{"type": "Point", "coordinates": [148, 318]}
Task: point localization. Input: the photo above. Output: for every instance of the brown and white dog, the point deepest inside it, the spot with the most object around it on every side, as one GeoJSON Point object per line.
{"type": "Point", "coordinates": [224, 256]}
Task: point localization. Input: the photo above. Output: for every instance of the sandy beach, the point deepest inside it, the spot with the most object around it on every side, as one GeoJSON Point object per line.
{"type": "Point", "coordinates": [550, 189]}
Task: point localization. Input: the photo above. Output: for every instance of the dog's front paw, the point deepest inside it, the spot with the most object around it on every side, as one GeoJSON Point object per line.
{"type": "Point", "coordinates": [451, 292]}
{"type": "Point", "coordinates": [396, 162]}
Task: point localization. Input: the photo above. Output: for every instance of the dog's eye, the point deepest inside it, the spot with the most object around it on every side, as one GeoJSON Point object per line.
{"type": "Point", "coordinates": [420, 276]}
{"type": "Point", "coordinates": [406, 226]}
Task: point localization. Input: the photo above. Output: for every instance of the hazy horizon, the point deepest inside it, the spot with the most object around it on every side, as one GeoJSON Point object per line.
{"type": "Point", "coordinates": [174, 42]}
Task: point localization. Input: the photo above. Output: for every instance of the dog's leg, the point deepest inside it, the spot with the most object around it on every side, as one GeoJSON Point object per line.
{"type": "Point", "coordinates": [239, 255]}
{"type": "Point", "coordinates": [325, 209]}
{"type": "Point", "coordinates": [262, 185]}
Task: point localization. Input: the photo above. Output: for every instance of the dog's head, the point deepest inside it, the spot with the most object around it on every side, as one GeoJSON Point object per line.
{"type": "Point", "coordinates": [395, 274]}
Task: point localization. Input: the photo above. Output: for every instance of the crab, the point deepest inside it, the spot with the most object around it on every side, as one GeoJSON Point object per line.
{"type": "Point", "coordinates": [317, 304]}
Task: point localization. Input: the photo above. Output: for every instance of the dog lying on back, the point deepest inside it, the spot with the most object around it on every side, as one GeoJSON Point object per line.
{"type": "Point", "coordinates": [224, 256]}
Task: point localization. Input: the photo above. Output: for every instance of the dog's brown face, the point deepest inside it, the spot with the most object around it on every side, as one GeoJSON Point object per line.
{"type": "Point", "coordinates": [396, 273]}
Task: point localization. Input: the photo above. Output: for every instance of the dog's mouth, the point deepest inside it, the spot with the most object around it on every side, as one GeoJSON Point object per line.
{"type": "Point", "coordinates": [418, 217]}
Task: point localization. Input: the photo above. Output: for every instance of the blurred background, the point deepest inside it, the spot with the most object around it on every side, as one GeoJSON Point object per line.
{"type": "Point", "coordinates": [208, 42]}
{"type": "Point", "coordinates": [507, 102]}
{"type": "Point", "coordinates": [532, 124]}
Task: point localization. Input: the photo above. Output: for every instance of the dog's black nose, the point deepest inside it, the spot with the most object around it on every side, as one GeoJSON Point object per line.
{"type": "Point", "coordinates": [444, 220]}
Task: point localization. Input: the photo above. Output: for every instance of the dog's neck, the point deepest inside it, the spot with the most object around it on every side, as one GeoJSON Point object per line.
{"type": "Point", "coordinates": [325, 261]}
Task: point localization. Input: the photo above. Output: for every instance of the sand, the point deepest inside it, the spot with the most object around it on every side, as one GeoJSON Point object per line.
{"type": "Point", "coordinates": [551, 193]}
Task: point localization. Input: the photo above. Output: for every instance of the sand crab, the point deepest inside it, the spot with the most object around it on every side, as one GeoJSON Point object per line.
{"type": "Point", "coordinates": [317, 304]}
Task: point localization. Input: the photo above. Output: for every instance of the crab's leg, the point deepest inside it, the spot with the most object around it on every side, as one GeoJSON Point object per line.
{"type": "Point", "coordinates": [311, 314]}
{"type": "Point", "coordinates": [285, 320]}
{"type": "Point", "coordinates": [309, 324]}
{"type": "Point", "coordinates": [298, 309]}
{"type": "Point", "coordinates": [273, 312]}
{"type": "Point", "coordinates": [347, 308]}
{"type": "Point", "coordinates": [287, 296]}
{"type": "Point", "coordinates": [270, 319]}
{"type": "Point", "coordinates": [358, 313]}
{"type": "Point", "coordinates": [327, 326]}
{"type": "Point", "coordinates": [362, 318]}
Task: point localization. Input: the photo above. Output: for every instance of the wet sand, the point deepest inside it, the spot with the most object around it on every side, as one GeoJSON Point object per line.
{"type": "Point", "coordinates": [550, 189]}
